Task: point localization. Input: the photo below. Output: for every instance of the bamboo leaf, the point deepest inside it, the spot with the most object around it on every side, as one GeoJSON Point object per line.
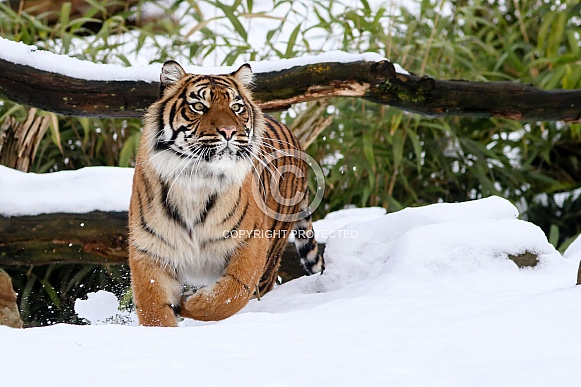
{"type": "Point", "coordinates": [229, 12]}
{"type": "Point", "coordinates": [198, 27]}
{"type": "Point", "coordinates": [398, 144]}
{"type": "Point", "coordinates": [368, 151]}
{"type": "Point", "coordinates": [412, 135]}
{"type": "Point", "coordinates": [554, 235]}
{"type": "Point", "coordinates": [24, 305]}
{"type": "Point", "coordinates": [291, 42]}
{"type": "Point", "coordinates": [51, 292]}
{"type": "Point", "coordinates": [129, 150]}
{"type": "Point", "coordinates": [65, 14]}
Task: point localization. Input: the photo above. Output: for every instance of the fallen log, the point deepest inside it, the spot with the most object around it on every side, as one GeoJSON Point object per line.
{"type": "Point", "coordinates": [278, 90]}
{"type": "Point", "coordinates": [97, 237]}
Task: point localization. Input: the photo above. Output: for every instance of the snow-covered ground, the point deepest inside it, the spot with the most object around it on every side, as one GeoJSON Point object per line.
{"type": "Point", "coordinates": [423, 296]}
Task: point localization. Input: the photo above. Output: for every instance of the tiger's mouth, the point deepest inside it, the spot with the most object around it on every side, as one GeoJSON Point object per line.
{"type": "Point", "coordinates": [226, 151]}
{"type": "Point", "coordinates": [228, 161]}
{"type": "Point", "coordinates": [195, 154]}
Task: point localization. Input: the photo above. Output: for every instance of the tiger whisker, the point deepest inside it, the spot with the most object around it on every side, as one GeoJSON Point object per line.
{"type": "Point", "coordinates": [264, 164]}
{"type": "Point", "coordinates": [247, 157]}
{"type": "Point", "coordinates": [277, 150]}
{"type": "Point", "coordinates": [277, 140]}
{"type": "Point", "coordinates": [188, 160]}
{"type": "Point", "coordinates": [157, 154]}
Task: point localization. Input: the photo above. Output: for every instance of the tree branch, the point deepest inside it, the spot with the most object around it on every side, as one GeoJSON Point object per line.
{"type": "Point", "coordinates": [278, 90]}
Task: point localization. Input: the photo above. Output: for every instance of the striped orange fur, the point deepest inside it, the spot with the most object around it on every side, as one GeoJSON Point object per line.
{"type": "Point", "coordinates": [215, 195]}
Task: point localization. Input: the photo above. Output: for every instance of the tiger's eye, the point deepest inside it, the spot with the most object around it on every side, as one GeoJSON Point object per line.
{"type": "Point", "coordinates": [198, 106]}
{"type": "Point", "coordinates": [236, 108]}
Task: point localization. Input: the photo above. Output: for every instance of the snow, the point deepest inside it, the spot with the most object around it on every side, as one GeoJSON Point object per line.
{"type": "Point", "coordinates": [574, 250]}
{"type": "Point", "coordinates": [23, 54]}
{"type": "Point", "coordinates": [97, 307]}
{"type": "Point", "coordinates": [80, 191]}
{"type": "Point", "coordinates": [328, 226]}
{"type": "Point", "coordinates": [423, 296]}
{"type": "Point", "coordinates": [20, 53]}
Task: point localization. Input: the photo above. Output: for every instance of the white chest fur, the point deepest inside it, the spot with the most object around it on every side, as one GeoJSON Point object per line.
{"type": "Point", "coordinates": [193, 208]}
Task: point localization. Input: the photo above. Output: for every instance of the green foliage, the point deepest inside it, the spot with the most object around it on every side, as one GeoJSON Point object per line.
{"type": "Point", "coordinates": [409, 160]}
{"type": "Point", "coordinates": [372, 155]}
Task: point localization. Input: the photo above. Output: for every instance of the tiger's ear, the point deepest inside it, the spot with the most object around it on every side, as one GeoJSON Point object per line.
{"type": "Point", "coordinates": [245, 75]}
{"type": "Point", "coordinates": [171, 72]}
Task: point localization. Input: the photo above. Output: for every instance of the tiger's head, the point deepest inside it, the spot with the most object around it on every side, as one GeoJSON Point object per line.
{"type": "Point", "coordinates": [204, 124]}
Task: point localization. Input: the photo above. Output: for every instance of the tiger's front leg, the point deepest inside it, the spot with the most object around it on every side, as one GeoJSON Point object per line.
{"type": "Point", "coordinates": [233, 290]}
{"type": "Point", "coordinates": [155, 291]}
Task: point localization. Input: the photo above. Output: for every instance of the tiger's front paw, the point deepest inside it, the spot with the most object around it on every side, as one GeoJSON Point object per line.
{"type": "Point", "coordinates": [195, 304]}
{"type": "Point", "coordinates": [216, 302]}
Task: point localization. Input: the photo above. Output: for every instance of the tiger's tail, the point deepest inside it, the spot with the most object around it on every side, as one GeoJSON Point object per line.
{"type": "Point", "coordinates": [310, 257]}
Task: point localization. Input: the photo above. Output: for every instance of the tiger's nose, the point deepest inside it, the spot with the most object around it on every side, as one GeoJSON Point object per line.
{"type": "Point", "coordinates": [227, 132]}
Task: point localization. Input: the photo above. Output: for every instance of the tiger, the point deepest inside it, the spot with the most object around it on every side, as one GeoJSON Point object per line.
{"type": "Point", "coordinates": [218, 187]}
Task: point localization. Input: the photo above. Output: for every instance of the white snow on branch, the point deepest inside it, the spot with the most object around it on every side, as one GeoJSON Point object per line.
{"type": "Point", "coordinates": [79, 191]}
{"type": "Point", "coordinates": [20, 53]}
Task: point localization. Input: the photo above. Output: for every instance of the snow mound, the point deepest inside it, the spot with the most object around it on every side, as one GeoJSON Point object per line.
{"type": "Point", "coordinates": [439, 248]}
{"type": "Point", "coordinates": [439, 240]}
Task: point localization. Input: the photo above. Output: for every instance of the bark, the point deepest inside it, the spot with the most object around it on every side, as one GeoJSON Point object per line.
{"type": "Point", "coordinates": [278, 90]}
{"type": "Point", "coordinates": [310, 123]}
{"type": "Point", "coordinates": [20, 140]}
{"type": "Point", "coordinates": [92, 238]}
{"type": "Point", "coordinates": [96, 237]}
